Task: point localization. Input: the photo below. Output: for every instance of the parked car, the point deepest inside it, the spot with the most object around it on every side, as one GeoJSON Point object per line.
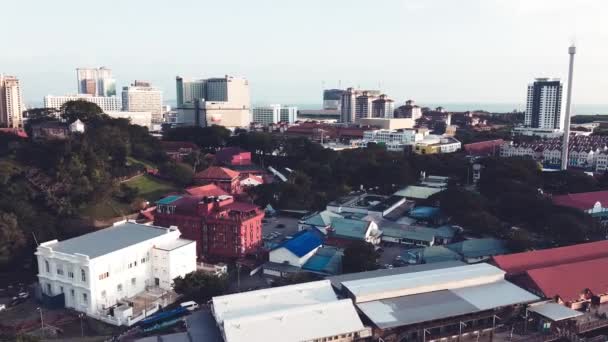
{"type": "Point", "coordinates": [190, 305]}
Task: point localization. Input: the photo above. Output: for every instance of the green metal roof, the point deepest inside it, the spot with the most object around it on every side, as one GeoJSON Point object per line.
{"type": "Point", "coordinates": [479, 247]}
{"type": "Point", "coordinates": [321, 219]}
{"type": "Point", "coordinates": [354, 229]}
{"type": "Point", "coordinates": [438, 254]}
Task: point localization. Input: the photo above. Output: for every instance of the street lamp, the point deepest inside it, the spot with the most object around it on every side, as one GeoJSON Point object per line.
{"type": "Point", "coordinates": [81, 316]}
{"type": "Point", "coordinates": [41, 320]}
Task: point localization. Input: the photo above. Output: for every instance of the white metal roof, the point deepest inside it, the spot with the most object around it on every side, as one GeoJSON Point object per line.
{"type": "Point", "coordinates": [554, 311]}
{"type": "Point", "coordinates": [398, 285]}
{"type": "Point", "coordinates": [302, 323]}
{"type": "Point", "coordinates": [274, 299]}
{"type": "Point", "coordinates": [428, 306]}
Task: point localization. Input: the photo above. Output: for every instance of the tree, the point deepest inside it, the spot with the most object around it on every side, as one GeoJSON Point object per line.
{"type": "Point", "coordinates": [80, 110]}
{"type": "Point", "coordinates": [179, 173]}
{"type": "Point", "coordinates": [570, 181]}
{"type": "Point", "coordinates": [11, 237]}
{"type": "Point", "coordinates": [200, 286]}
{"type": "Point", "coordinates": [358, 257]}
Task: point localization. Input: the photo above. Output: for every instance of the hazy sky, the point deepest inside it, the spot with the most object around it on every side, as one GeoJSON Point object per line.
{"type": "Point", "coordinates": [437, 51]}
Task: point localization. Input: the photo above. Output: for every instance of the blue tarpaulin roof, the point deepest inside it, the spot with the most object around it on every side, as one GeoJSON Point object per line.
{"type": "Point", "coordinates": [302, 243]}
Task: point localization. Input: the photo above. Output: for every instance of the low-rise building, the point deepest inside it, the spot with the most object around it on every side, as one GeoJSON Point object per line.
{"type": "Point", "coordinates": [222, 227]}
{"type": "Point", "coordinates": [591, 203]}
{"type": "Point", "coordinates": [344, 231]}
{"type": "Point", "coordinates": [437, 144]}
{"type": "Point", "coordinates": [56, 130]}
{"type": "Point", "coordinates": [293, 313]}
{"type": "Point", "coordinates": [223, 177]}
{"type": "Point", "coordinates": [101, 273]}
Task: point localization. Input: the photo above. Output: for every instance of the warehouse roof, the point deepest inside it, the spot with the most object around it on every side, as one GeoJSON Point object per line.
{"type": "Point", "coordinates": [568, 281]}
{"type": "Point", "coordinates": [108, 240]}
{"type": "Point", "coordinates": [364, 290]}
{"type": "Point", "coordinates": [475, 248]}
{"type": "Point", "coordinates": [322, 218]}
{"type": "Point", "coordinates": [428, 306]}
{"type": "Point", "coordinates": [337, 281]}
{"type": "Point", "coordinates": [303, 323]}
{"type": "Point", "coordinates": [521, 262]}
{"type": "Point", "coordinates": [583, 200]}
{"type": "Point", "coordinates": [301, 243]}
{"type": "Point", "coordinates": [349, 228]}
{"type": "Point", "coordinates": [553, 311]}
{"type": "Point", "coordinates": [273, 299]}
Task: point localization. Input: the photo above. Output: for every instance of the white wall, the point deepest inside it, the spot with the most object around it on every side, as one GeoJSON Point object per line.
{"type": "Point", "coordinates": [280, 255]}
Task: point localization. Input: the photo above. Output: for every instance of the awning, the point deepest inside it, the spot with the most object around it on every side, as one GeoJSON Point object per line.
{"type": "Point", "coordinates": [554, 311]}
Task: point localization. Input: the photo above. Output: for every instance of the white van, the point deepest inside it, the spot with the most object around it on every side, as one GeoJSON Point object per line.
{"type": "Point", "coordinates": [190, 305]}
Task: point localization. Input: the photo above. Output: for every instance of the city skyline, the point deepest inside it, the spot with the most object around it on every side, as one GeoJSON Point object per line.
{"type": "Point", "coordinates": [432, 51]}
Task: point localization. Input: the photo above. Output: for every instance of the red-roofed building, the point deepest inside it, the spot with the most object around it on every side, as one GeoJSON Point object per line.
{"type": "Point", "coordinates": [222, 228]}
{"type": "Point", "coordinates": [231, 156]}
{"type": "Point", "coordinates": [570, 284]}
{"type": "Point", "coordinates": [518, 263]}
{"type": "Point", "coordinates": [226, 179]}
{"type": "Point", "coordinates": [589, 202]}
{"type": "Point", "coordinates": [206, 190]}
{"type": "Point", "coordinates": [484, 148]}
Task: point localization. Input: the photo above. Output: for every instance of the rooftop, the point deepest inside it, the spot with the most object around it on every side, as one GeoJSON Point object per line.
{"type": "Point", "coordinates": [273, 299]}
{"type": "Point", "coordinates": [349, 228]}
{"type": "Point", "coordinates": [521, 262]}
{"type": "Point", "coordinates": [108, 240]}
{"type": "Point", "coordinates": [301, 243]}
{"type": "Point", "coordinates": [321, 219]}
{"type": "Point", "coordinates": [303, 323]}
{"type": "Point", "coordinates": [216, 172]}
{"type": "Point", "coordinates": [583, 200]}
{"type": "Point", "coordinates": [173, 244]}
{"type": "Point", "coordinates": [206, 190]}
{"type": "Point", "coordinates": [475, 248]}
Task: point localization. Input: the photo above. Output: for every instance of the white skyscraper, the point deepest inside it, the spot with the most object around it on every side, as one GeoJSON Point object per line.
{"type": "Point", "coordinates": [141, 97]}
{"type": "Point", "coordinates": [543, 108]}
{"type": "Point", "coordinates": [214, 101]}
{"type": "Point", "coordinates": [106, 103]}
{"type": "Point", "coordinates": [11, 102]}
{"type": "Point", "coordinates": [96, 81]}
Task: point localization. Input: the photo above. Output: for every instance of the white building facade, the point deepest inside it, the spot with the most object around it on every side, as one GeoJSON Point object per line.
{"type": "Point", "coordinates": [273, 114]}
{"type": "Point", "coordinates": [137, 118]}
{"type": "Point", "coordinates": [143, 99]}
{"type": "Point", "coordinates": [102, 269]}
{"type": "Point", "coordinates": [106, 103]}
{"type": "Point", "coordinates": [11, 102]}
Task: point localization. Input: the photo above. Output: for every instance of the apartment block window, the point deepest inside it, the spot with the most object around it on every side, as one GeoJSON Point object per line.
{"type": "Point", "coordinates": [83, 275]}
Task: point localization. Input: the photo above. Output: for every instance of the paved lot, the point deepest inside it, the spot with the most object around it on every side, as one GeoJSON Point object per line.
{"type": "Point", "coordinates": [281, 226]}
{"type": "Point", "coordinates": [389, 254]}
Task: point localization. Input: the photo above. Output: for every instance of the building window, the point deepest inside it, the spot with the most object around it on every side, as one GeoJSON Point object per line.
{"type": "Point", "coordinates": [61, 289]}
{"type": "Point", "coordinates": [85, 298]}
{"type": "Point", "coordinates": [60, 270]}
{"type": "Point", "coordinates": [133, 280]}
{"type": "Point", "coordinates": [71, 274]}
{"type": "Point", "coordinates": [104, 275]}
{"type": "Point", "coordinates": [72, 294]}
{"type": "Point", "coordinates": [143, 260]}
{"type": "Point", "coordinates": [103, 293]}
{"type": "Point", "coordinates": [47, 266]}
{"type": "Point", "coordinates": [83, 275]}
{"type": "Point", "coordinates": [48, 289]}
{"type": "Point", "coordinates": [119, 288]}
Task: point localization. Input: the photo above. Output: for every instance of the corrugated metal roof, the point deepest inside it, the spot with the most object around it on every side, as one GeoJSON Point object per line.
{"type": "Point", "coordinates": [321, 219]}
{"type": "Point", "coordinates": [475, 248]}
{"type": "Point", "coordinates": [370, 289]}
{"type": "Point", "coordinates": [273, 299]}
{"type": "Point", "coordinates": [301, 243]}
{"type": "Point", "coordinates": [349, 228]}
{"type": "Point", "coordinates": [428, 306]}
{"type": "Point", "coordinates": [418, 192]}
{"type": "Point", "coordinates": [553, 311]}
{"type": "Point", "coordinates": [109, 240]}
{"type": "Point", "coordinates": [303, 323]}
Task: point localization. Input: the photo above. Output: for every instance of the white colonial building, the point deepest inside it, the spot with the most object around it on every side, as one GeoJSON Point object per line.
{"type": "Point", "coordinates": [103, 273]}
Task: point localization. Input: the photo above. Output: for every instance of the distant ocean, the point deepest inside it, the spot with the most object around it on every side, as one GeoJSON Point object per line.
{"type": "Point", "coordinates": [577, 109]}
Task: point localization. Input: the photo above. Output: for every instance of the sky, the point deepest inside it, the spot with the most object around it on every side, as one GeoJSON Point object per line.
{"type": "Point", "coordinates": [433, 51]}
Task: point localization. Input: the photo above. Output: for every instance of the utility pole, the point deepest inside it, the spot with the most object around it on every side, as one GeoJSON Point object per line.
{"type": "Point", "coordinates": [81, 316]}
{"type": "Point", "coordinates": [566, 138]}
{"type": "Point", "coordinates": [41, 320]}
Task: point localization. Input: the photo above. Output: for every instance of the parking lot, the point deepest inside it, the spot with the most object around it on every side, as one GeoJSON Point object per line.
{"type": "Point", "coordinates": [275, 229]}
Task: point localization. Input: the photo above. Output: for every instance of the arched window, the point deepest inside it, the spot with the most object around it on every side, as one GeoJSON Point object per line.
{"type": "Point", "coordinates": [47, 266]}
{"type": "Point", "coordinates": [83, 275]}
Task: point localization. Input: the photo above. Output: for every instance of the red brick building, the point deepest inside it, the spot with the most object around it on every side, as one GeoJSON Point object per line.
{"type": "Point", "coordinates": [224, 178]}
{"type": "Point", "coordinates": [222, 228]}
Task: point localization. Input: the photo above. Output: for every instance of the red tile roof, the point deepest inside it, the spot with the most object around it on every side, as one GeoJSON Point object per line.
{"type": "Point", "coordinates": [521, 262]}
{"type": "Point", "coordinates": [216, 172]}
{"type": "Point", "coordinates": [568, 281]}
{"type": "Point", "coordinates": [206, 190]}
{"type": "Point", "coordinates": [583, 200]}
{"type": "Point", "coordinates": [228, 154]}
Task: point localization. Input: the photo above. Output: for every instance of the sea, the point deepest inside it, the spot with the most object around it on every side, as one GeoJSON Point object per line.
{"type": "Point", "coordinates": [577, 109]}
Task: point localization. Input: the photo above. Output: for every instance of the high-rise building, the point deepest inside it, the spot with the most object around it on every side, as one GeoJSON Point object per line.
{"type": "Point", "coordinates": [96, 81]}
{"type": "Point", "coordinates": [141, 97]}
{"type": "Point", "coordinates": [106, 103]}
{"type": "Point", "coordinates": [215, 101]}
{"type": "Point", "coordinates": [363, 103]}
{"type": "Point", "coordinates": [383, 107]}
{"type": "Point", "coordinates": [273, 114]}
{"type": "Point", "coordinates": [11, 102]}
{"type": "Point", "coordinates": [347, 105]}
{"type": "Point", "coordinates": [409, 110]}
{"type": "Point", "coordinates": [332, 99]}
{"type": "Point", "coordinates": [543, 109]}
